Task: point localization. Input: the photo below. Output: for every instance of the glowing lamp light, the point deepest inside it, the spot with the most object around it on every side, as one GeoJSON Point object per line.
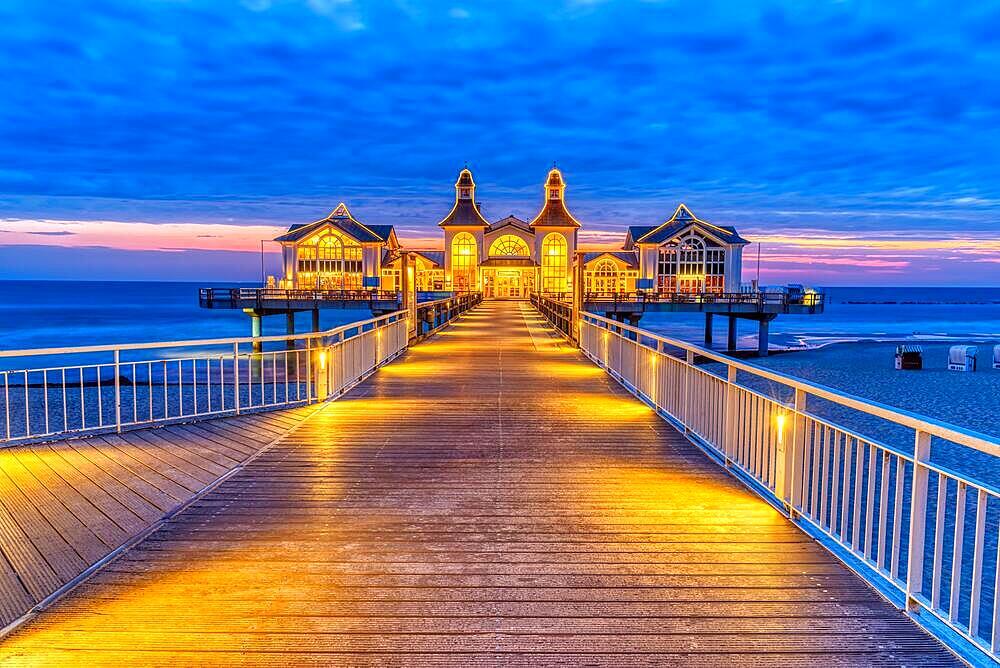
{"type": "Point", "coordinates": [779, 421]}
{"type": "Point", "coordinates": [322, 360]}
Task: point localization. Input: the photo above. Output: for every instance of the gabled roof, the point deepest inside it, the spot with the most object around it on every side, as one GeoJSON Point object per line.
{"type": "Point", "coordinates": [628, 257]}
{"type": "Point", "coordinates": [636, 232]}
{"type": "Point", "coordinates": [465, 211]}
{"type": "Point", "coordinates": [436, 257]}
{"type": "Point", "coordinates": [433, 257]}
{"type": "Point", "coordinates": [341, 219]}
{"type": "Point", "coordinates": [678, 223]}
{"type": "Point", "coordinates": [554, 212]}
{"type": "Point", "coordinates": [511, 221]}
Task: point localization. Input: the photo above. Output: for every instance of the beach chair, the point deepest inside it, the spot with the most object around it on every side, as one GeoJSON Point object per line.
{"type": "Point", "coordinates": [996, 357]}
{"type": "Point", "coordinates": [909, 357]}
{"type": "Point", "coordinates": [962, 358]}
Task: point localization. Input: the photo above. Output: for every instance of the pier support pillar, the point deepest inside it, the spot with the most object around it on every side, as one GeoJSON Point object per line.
{"type": "Point", "coordinates": [290, 329]}
{"type": "Point", "coordinates": [315, 320]}
{"type": "Point", "coordinates": [762, 333]}
{"type": "Point", "coordinates": [255, 322]}
{"type": "Point", "coordinates": [731, 337]}
{"type": "Point", "coordinates": [708, 330]}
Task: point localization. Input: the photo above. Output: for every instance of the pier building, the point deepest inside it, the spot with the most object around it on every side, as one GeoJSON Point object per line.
{"type": "Point", "coordinates": [335, 253]}
{"type": "Point", "coordinates": [682, 264]}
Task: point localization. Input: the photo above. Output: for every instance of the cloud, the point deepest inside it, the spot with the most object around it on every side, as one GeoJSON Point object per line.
{"type": "Point", "coordinates": [262, 113]}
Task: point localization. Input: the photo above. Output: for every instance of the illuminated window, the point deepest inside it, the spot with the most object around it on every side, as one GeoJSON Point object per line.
{"type": "Point", "coordinates": [391, 280]}
{"type": "Point", "coordinates": [466, 193]}
{"type": "Point", "coordinates": [509, 244]}
{"type": "Point", "coordinates": [553, 193]}
{"type": "Point", "coordinates": [463, 261]}
{"type": "Point", "coordinates": [331, 262]}
{"type": "Point", "coordinates": [691, 264]}
{"type": "Point", "coordinates": [692, 257]}
{"type": "Point", "coordinates": [667, 264]}
{"type": "Point", "coordinates": [605, 278]}
{"type": "Point", "coordinates": [554, 263]}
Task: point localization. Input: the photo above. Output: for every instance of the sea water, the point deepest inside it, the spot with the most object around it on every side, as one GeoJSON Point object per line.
{"type": "Point", "coordinates": [44, 314]}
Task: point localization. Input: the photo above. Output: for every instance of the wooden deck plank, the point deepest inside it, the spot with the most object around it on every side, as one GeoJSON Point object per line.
{"type": "Point", "coordinates": [224, 452]}
{"type": "Point", "coordinates": [489, 499]}
{"type": "Point", "coordinates": [74, 491]}
{"type": "Point", "coordinates": [239, 451]}
{"type": "Point", "coordinates": [65, 505]}
{"type": "Point", "coordinates": [127, 507]}
{"type": "Point", "coordinates": [161, 460]}
{"type": "Point", "coordinates": [24, 508]}
{"type": "Point", "coordinates": [131, 474]}
{"type": "Point", "coordinates": [190, 460]}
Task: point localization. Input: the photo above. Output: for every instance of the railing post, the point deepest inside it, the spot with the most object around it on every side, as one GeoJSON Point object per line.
{"type": "Point", "coordinates": [118, 392]}
{"type": "Point", "coordinates": [688, 370]}
{"type": "Point", "coordinates": [309, 378]}
{"type": "Point", "coordinates": [918, 517]}
{"type": "Point", "coordinates": [236, 376]}
{"type": "Point", "coordinates": [789, 456]}
{"type": "Point", "coordinates": [729, 433]}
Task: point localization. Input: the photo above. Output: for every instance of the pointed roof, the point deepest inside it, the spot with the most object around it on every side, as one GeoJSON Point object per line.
{"type": "Point", "coordinates": [679, 222]}
{"type": "Point", "coordinates": [342, 219]}
{"type": "Point", "coordinates": [554, 212]}
{"type": "Point", "coordinates": [465, 212]}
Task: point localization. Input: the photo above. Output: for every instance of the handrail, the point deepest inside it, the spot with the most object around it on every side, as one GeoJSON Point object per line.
{"type": "Point", "coordinates": [758, 298]}
{"type": "Point", "coordinates": [951, 432]}
{"type": "Point", "coordinates": [187, 343]}
{"type": "Point", "coordinates": [344, 294]}
{"type": "Point", "coordinates": [192, 379]}
{"type": "Point", "coordinates": [885, 511]}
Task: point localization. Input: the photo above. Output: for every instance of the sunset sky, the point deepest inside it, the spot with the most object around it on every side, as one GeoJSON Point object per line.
{"type": "Point", "coordinates": [856, 142]}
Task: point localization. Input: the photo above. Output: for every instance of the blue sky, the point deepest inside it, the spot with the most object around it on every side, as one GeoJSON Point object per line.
{"type": "Point", "coordinates": [857, 141]}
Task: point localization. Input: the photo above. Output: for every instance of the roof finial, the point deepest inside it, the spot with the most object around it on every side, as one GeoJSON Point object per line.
{"type": "Point", "coordinates": [553, 164]}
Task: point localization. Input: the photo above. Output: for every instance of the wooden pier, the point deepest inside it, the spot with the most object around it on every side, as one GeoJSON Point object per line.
{"type": "Point", "coordinates": [489, 498]}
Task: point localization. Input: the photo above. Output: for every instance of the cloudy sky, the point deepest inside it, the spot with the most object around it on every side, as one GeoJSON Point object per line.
{"type": "Point", "coordinates": [858, 143]}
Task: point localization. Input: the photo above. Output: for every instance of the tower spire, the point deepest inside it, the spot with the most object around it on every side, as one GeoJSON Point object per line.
{"type": "Point", "coordinates": [465, 211]}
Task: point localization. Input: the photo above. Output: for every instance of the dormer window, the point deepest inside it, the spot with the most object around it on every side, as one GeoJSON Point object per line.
{"type": "Point", "coordinates": [554, 193]}
{"type": "Point", "coordinates": [465, 193]}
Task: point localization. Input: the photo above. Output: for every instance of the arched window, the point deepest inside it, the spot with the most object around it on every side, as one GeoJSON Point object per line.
{"type": "Point", "coordinates": [463, 261]}
{"type": "Point", "coordinates": [554, 263]}
{"type": "Point", "coordinates": [691, 264]}
{"type": "Point", "coordinates": [692, 257]}
{"type": "Point", "coordinates": [509, 244]}
{"type": "Point", "coordinates": [605, 277]}
{"type": "Point", "coordinates": [329, 254]}
{"type": "Point", "coordinates": [331, 262]}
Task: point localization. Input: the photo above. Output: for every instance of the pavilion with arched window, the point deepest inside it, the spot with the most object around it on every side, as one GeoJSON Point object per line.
{"type": "Point", "coordinates": [335, 253]}
{"type": "Point", "coordinates": [609, 272]}
{"type": "Point", "coordinates": [687, 255]}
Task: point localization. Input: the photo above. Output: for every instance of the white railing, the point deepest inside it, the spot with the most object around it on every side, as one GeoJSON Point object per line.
{"type": "Point", "coordinates": [921, 529]}
{"type": "Point", "coordinates": [58, 392]}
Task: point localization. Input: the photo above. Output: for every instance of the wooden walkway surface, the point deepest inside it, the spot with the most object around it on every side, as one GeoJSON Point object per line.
{"type": "Point", "coordinates": [491, 498]}
{"type": "Point", "coordinates": [66, 505]}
